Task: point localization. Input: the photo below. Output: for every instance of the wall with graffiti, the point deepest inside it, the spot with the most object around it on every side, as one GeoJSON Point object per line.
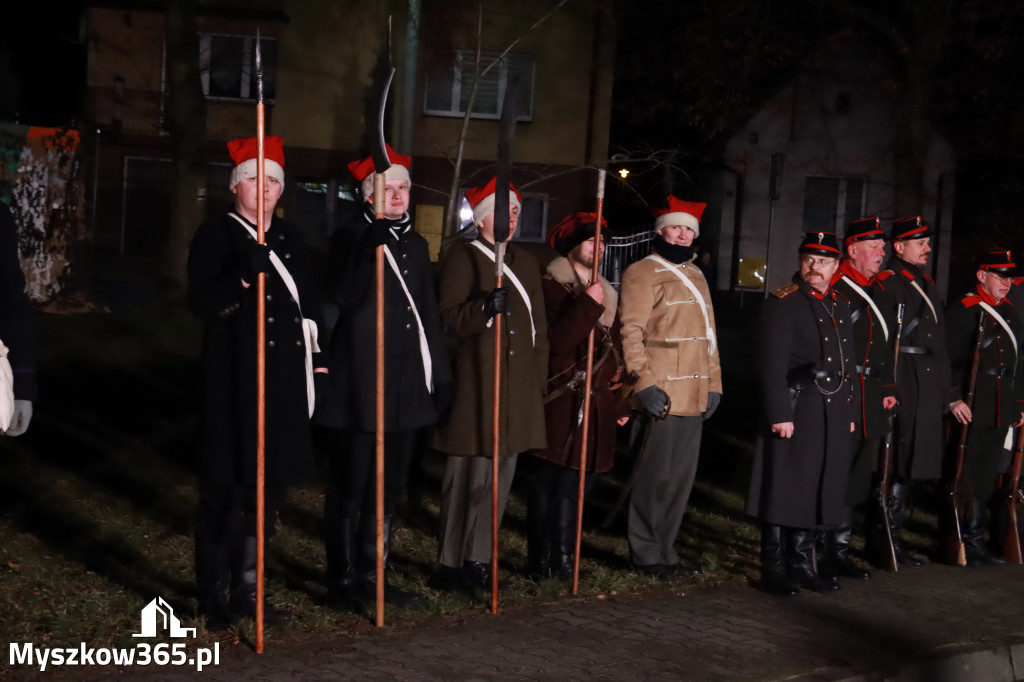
{"type": "Point", "coordinates": [41, 180]}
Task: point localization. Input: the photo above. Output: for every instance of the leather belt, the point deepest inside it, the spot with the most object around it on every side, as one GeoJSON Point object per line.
{"type": "Point", "coordinates": [915, 350]}
{"type": "Point", "coordinates": [867, 371]}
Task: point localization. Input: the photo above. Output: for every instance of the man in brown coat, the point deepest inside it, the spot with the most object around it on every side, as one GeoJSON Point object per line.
{"type": "Point", "coordinates": [468, 302]}
{"type": "Point", "coordinates": [575, 307]}
{"type": "Point", "coordinates": [668, 339]}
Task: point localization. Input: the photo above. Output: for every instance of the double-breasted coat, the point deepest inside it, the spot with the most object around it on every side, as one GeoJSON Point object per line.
{"type": "Point", "coordinates": [664, 336]}
{"type": "Point", "coordinates": [923, 378]}
{"type": "Point", "coordinates": [216, 269]}
{"type": "Point", "coordinates": [467, 277]}
{"type": "Point", "coordinates": [805, 364]}
{"type": "Point", "coordinates": [408, 402]}
{"type": "Point", "coordinates": [572, 314]}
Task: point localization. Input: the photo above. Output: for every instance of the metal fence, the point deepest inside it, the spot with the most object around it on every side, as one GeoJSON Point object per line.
{"type": "Point", "coordinates": [620, 251]}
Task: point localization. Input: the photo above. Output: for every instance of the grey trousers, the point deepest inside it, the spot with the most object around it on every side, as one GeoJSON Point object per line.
{"type": "Point", "coordinates": [661, 490]}
{"type": "Point", "coordinates": [466, 507]}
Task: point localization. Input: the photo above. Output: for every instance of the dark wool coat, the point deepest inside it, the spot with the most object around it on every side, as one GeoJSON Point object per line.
{"type": "Point", "coordinates": [922, 379]}
{"type": "Point", "coordinates": [228, 310]}
{"type": "Point", "coordinates": [801, 481]}
{"type": "Point", "coordinates": [873, 345]}
{"type": "Point", "coordinates": [571, 315]}
{"type": "Point", "coordinates": [351, 404]}
{"type": "Point", "coordinates": [467, 277]}
{"type": "Point", "coordinates": [15, 313]}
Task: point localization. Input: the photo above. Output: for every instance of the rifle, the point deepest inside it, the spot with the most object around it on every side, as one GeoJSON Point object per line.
{"type": "Point", "coordinates": [1011, 533]}
{"type": "Point", "coordinates": [595, 277]}
{"type": "Point", "coordinates": [888, 561]}
{"type": "Point", "coordinates": [951, 548]}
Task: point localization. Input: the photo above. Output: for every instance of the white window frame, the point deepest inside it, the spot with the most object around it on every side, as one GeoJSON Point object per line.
{"type": "Point", "coordinates": [466, 58]}
{"type": "Point", "coordinates": [247, 89]}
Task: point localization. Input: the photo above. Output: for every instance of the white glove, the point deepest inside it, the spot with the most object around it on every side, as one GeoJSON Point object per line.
{"type": "Point", "coordinates": [22, 416]}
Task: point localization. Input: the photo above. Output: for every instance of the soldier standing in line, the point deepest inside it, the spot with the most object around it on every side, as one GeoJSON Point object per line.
{"type": "Point", "coordinates": [923, 379]}
{"type": "Point", "coordinates": [669, 340]}
{"type": "Point", "coordinates": [417, 381]}
{"type": "Point", "coordinates": [864, 246]}
{"type": "Point", "coordinates": [468, 302]}
{"type": "Point", "coordinates": [998, 392]}
{"type": "Point", "coordinates": [806, 365]}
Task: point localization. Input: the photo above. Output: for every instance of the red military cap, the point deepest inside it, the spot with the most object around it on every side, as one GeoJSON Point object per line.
{"type": "Point", "coordinates": [909, 228]}
{"type": "Point", "coordinates": [481, 199]}
{"type": "Point", "coordinates": [244, 152]}
{"type": "Point", "coordinates": [999, 261]}
{"type": "Point", "coordinates": [573, 230]}
{"type": "Point", "coordinates": [820, 243]}
{"type": "Point", "coordinates": [362, 170]}
{"type": "Point", "coordinates": [863, 230]}
{"type": "Point", "coordinates": [679, 212]}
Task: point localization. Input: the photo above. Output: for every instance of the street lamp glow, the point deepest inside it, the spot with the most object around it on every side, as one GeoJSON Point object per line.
{"type": "Point", "coordinates": [623, 172]}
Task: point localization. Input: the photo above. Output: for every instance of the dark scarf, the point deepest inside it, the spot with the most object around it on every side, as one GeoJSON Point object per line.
{"type": "Point", "coordinates": [673, 253]}
{"type": "Point", "coordinates": [398, 227]}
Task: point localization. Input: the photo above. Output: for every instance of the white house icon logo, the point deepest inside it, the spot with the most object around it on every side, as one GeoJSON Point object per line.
{"type": "Point", "coordinates": [156, 611]}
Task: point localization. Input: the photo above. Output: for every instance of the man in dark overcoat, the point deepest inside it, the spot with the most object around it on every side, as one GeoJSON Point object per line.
{"type": "Point", "coordinates": [809, 395]}
{"type": "Point", "coordinates": [16, 329]}
{"type": "Point", "coordinates": [224, 263]}
{"type": "Point", "coordinates": [469, 302]}
{"type": "Point", "coordinates": [864, 253]}
{"type": "Point", "coordinates": [417, 380]}
{"type": "Point", "coordinates": [922, 379]}
{"type": "Point", "coordinates": [575, 307]}
{"type": "Point", "coordinates": [998, 391]}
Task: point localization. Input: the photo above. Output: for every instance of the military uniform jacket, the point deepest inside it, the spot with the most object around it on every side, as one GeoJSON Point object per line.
{"type": "Point", "coordinates": [15, 313]}
{"type": "Point", "coordinates": [228, 310]}
{"type": "Point", "coordinates": [664, 338]}
{"type": "Point", "coordinates": [999, 391]}
{"type": "Point", "coordinates": [922, 377]}
{"type": "Point", "coordinates": [805, 365]}
{"type": "Point", "coordinates": [467, 277]}
{"type": "Point", "coordinates": [871, 341]}
{"type": "Point", "coordinates": [351, 404]}
{"type": "Point", "coordinates": [572, 314]}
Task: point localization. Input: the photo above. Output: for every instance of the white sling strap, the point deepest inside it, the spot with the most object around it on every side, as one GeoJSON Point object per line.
{"type": "Point", "coordinates": [516, 283]}
{"type": "Point", "coordinates": [927, 300]}
{"type": "Point", "coordinates": [864, 295]}
{"type": "Point", "coordinates": [708, 331]}
{"type": "Point", "coordinates": [428, 366]}
{"type": "Point", "coordinates": [309, 330]}
{"type": "Point", "coordinates": [1002, 322]}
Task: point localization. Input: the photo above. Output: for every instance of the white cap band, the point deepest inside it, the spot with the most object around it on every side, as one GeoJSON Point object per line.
{"type": "Point", "coordinates": [486, 206]}
{"type": "Point", "coordinates": [395, 171]}
{"type": "Point", "coordinates": [684, 219]}
{"type": "Point", "coordinates": [247, 169]}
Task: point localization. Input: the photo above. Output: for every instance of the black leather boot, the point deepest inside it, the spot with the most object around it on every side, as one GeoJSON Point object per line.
{"type": "Point", "coordinates": [799, 554]}
{"type": "Point", "coordinates": [538, 541]}
{"type": "Point", "coordinates": [973, 531]}
{"type": "Point", "coordinates": [563, 537]}
{"type": "Point", "coordinates": [342, 592]}
{"type": "Point", "coordinates": [243, 586]}
{"type": "Point", "coordinates": [899, 502]}
{"type": "Point", "coordinates": [212, 583]}
{"type": "Point", "coordinates": [367, 580]}
{"type": "Point", "coordinates": [837, 562]}
{"type": "Point", "coordinates": [773, 565]}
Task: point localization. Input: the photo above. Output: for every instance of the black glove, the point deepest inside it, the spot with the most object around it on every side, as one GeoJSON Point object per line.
{"type": "Point", "coordinates": [321, 385]}
{"type": "Point", "coordinates": [713, 401]}
{"type": "Point", "coordinates": [443, 394]}
{"type": "Point", "coordinates": [377, 233]}
{"type": "Point", "coordinates": [496, 303]}
{"type": "Point", "coordinates": [256, 260]}
{"type": "Point", "coordinates": [653, 401]}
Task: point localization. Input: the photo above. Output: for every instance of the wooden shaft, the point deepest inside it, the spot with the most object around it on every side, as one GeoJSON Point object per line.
{"type": "Point", "coordinates": [261, 378]}
{"type": "Point", "coordinates": [496, 433]}
{"type": "Point", "coordinates": [588, 383]}
{"type": "Point", "coordinates": [379, 198]}
{"type": "Point", "coordinates": [1011, 540]}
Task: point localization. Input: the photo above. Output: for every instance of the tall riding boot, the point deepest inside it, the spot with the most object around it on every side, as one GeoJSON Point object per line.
{"type": "Point", "coordinates": [800, 561]}
{"type": "Point", "coordinates": [538, 542]}
{"type": "Point", "coordinates": [773, 565]}
{"type": "Point", "coordinates": [975, 526]}
{"type": "Point", "coordinates": [563, 537]}
{"type": "Point", "coordinates": [899, 501]}
{"type": "Point", "coordinates": [342, 593]}
{"type": "Point", "coordinates": [212, 583]}
{"type": "Point", "coordinates": [822, 558]}
{"type": "Point", "coordinates": [367, 580]}
{"type": "Point", "coordinates": [837, 563]}
{"type": "Point", "coordinates": [243, 585]}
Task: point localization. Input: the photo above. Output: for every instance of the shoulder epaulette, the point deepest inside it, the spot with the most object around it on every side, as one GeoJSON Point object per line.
{"type": "Point", "coordinates": [884, 275]}
{"type": "Point", "coordinates": [783, 292]}
{"type": "Point", "coordinates": [907, 275]}
{"type": "Point", "coordinates": [970, 300]}
{"type": "Point", "coordinates": [929, 278]}
{"type": "Point", "coordinates": [1017, 282]}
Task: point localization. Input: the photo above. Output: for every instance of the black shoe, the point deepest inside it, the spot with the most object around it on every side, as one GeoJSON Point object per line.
{"type": "Point", "coordinates": [451, 579]}
{"type": "Point", "coordinates": [777, 584]}
{"type": "Point", "coordinates": [395, 596]}
{"type": "Point", "coordinates": [215, 611]}
{"type": "Point", "coordinates": [799, 563]}
{"type": "Point", "coordinates": [651, 570]}
{"type": "Point", "coordinates": [344, 597]}
{"type": "Point", "coordinates": [842, 567]}
{"type": "Point", "coordinates": [681, 570]}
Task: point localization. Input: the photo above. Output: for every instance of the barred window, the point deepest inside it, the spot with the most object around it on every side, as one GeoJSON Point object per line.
{"type": "Point", "coordinates": [450, 83]}
{"type": "Point", "coordinates": [227, 65]}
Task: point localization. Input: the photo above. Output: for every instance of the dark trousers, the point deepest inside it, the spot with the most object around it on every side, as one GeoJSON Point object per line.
{"type": "Point", "coordinates": [351, 490]}
{"type": "Point", "coordinates": [227, 513]}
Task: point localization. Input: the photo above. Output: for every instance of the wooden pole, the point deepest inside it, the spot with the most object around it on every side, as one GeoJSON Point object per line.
{"type": "Point", "coordinates": [379, 199]}
{"type": "Point", "coordinates": [595, 277]}
{"type": "Point", "coordinates": [261, 354]}
{"type": "Point", "coordinates": [499, 254]}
